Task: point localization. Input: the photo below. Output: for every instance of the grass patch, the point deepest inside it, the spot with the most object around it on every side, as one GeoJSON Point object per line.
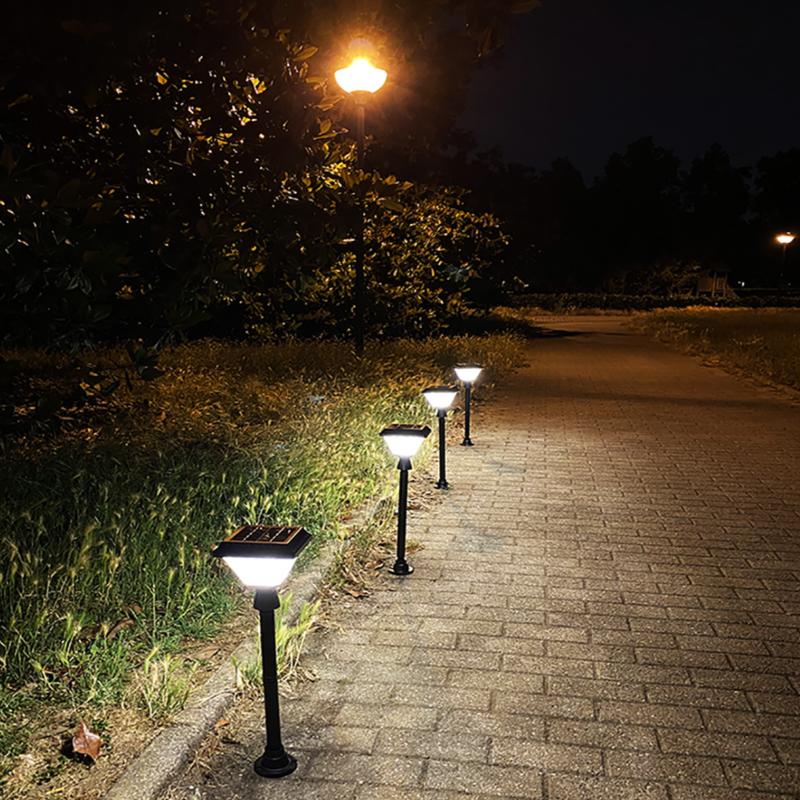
{"type": "Point", "coordinates": [761, 343]}
{"type": "Point", "coordinates": [110, 509]}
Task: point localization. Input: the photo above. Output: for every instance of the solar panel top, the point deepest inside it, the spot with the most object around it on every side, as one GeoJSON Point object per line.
{"type": "Point", "coordinates": [261, 534]}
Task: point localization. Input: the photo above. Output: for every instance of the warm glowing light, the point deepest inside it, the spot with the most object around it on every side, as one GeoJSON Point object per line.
{"type": "Point", "coordinates": [785, 238]}
{"type": "Point", "coordinates": [361, 76]}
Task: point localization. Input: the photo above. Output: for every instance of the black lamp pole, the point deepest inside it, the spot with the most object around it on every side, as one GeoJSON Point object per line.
{"type": "Point", "coordinates": [275, 762]}
{"type": "Point", "coordinates": [442, 482]}
{"type": "Point", "coordinates": [467, 410]}
{"type": "Point", "coordinates": [401, 566]}
{"type": "Point", "coordinates": [360, 282]}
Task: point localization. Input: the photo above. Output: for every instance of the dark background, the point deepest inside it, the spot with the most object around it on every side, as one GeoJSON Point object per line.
{"type": "Point", "coordinates": [582, 79]}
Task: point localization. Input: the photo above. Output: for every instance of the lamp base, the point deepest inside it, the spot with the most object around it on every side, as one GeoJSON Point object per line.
{"type": "Point", "coordinates": [467, 442]}
{"type": "Point", "coordinates": [401, 567]}
{"type": "Point", "coordinates": [275, 765]}
{"type": "Point", "coordinates": [442, 484]}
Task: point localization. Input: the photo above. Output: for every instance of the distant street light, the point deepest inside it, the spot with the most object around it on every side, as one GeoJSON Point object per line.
{"type": "Point", "coordinates": [467, 374]}
{"type": "Point", "coordinates": [262, 557]}
{"type": "Point", "coordinates": [360, 80]}
{"type": "Point", "coordinates": [403, 441]}
{"type": "Point", "coordinates": [784, 240]}
{"type": "Point", "coordinates": [441, 398]}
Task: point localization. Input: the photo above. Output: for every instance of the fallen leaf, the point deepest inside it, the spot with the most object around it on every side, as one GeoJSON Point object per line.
{"type": "Point", "coordinates": [221, 723]}
{"type": "Point", "coordinates": [377, 564]}
{"type": "Point", "coordinates": [86, 742]}
{"type": "Point", "coordinates": [357, 593]}
{"type": "Point", "coordinates": [118, 627]}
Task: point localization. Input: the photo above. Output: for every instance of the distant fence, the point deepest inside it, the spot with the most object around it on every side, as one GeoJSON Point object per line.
{"type": "Point", "coordinates": [751, 298]}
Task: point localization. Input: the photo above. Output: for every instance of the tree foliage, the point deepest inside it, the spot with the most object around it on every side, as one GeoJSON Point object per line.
{"type": "Point", "coordinates": [167, 169]}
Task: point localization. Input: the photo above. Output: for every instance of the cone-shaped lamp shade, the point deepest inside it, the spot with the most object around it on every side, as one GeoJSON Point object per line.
{"type": "Point", "coordinates": [440, 397]}
{"type": "Point", "coordinates": [361, 76]}
{"type": "Point", "coordinates": [404, 441]}
{"type": "Point", "coordinates": [262, 556]}
{"type": "Point", "coordinates": [468, 372]}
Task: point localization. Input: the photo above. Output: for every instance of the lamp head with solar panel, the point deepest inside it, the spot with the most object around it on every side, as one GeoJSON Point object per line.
{"type": "Point", "coordinates": [261, 557]}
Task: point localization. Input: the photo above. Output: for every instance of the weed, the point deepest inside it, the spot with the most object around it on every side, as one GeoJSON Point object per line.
{"type": "Point", "coordinates": [163, 684]}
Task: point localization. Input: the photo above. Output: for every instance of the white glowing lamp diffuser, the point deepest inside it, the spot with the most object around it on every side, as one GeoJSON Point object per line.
{"type": "Point", "coordinates": [468, 373]}
{"type": "Point", "coordinates": [440, 397]}
{"type": "Point", "coordinates": [262, 556]}
{"type": "Point", "coordinates": [361, 76]}
{"type": "Point", "coordinates": [785, 238]}
{"type": "Point", "coordinates": [404, 441]}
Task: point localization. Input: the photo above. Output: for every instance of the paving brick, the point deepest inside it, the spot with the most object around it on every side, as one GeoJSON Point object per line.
{"type": "Point", "coordinates": [387, 715]}
{"type": "Point", "coordinates": [581, 787]}
{"type": "Point", "coordinates": [495, 781]}
{"type": "Point", "coordinates": [731, 679]}
{"type": "Point", "coordinates": [702, 743]}
{"type": "Point", "coordinates": [434, 744]}
{"type": "Point", "coordinates": [760, 776]}
{"type": "Point", "coordinates": [606, 735]}
{"type": "Point", "coordinates": [668, 768]}
{"type": "Point", "coordinates": [751, 722]}
{"type": "Point", "coordinates": [650, 714]}
{"type": "Point", "coordinates": [450, 697]}
{"type": "Point", "coordinates": [599, 689]}
{"type": "Point", "coordinates": [701, 697]}
{"type": "Point", "coordinates": [507, 681]}
{"type": "Point", "coordinates": [543, 705]}
{"type": "Point", "coordinates": [704, 793]}
{"type": "Point", "coordinates": [551, 757]}
{"type": "Point", "coordinates": [494, 723]}
{"type": "Point", "coordinates": [391, 770]}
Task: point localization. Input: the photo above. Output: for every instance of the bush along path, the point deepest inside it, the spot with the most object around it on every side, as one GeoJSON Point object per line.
{"type": "Point", "coordinates": [110, 604]}
{"type": "Point", "coordinates": [604, 604]}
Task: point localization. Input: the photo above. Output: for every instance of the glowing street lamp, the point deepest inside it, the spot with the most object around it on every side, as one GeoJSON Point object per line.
{"type": "Point", "coordinates": [262, 556]}
{"type": "Point", "coordinates": [441, 398]}
{"type": "Point", "coordinates": [467, 374]}
{"type": "Point", "coordinates": [360, 80]}
{"type": "Point", "coordinates": [361, 76]}
{"type": "Point", "coordinates": [403, 441]}
{"type": "Point", "coordinates": [784, 240]}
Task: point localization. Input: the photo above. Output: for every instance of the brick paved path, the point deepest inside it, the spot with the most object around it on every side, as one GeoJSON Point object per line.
{"type": "Point", "coordinates": [607, 605]}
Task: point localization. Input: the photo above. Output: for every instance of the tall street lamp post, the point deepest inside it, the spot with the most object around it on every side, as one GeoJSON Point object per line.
{"type": "Point", "coordinates": [441, 398]}
{"type": "Point", "coordinates": [360, 80]}
{"type": "Point", "coordinates": [784, 240]}
{"type": "Point", "coordinates": [403, 441]}
{"type": "Point", "coordinates": [262, 557]}
{"type": "Point", "coordinates": [468, 374]}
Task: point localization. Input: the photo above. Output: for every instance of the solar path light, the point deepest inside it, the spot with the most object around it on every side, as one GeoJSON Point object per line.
{"type": "Point", "coordinates": [403, 441]}
{"type": "Point", "coordinates": [262, 557]}
{"type": "Point", "coordinates": [441, 398]}
{"type": "Point", "coordinates": [467, 374]}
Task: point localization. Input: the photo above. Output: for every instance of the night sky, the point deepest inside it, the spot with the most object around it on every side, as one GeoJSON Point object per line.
{"type": "Point", "coordinates": [582, 78]}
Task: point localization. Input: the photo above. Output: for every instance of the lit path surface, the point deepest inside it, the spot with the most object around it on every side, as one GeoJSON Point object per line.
{"type": "Point", "coordinates": [607, 604]}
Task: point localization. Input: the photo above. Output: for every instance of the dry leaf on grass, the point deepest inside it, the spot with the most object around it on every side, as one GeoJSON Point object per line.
{"type": "Point", "coordinates": [86, 742]}
{"type": "Point", "coordinates": [118, 627]}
